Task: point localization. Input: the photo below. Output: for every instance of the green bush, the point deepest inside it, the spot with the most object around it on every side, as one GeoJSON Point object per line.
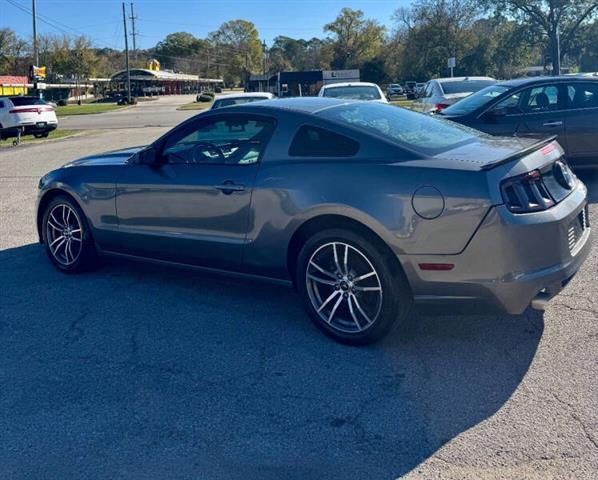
{"type": "Point", "coordinates": [205, 98]}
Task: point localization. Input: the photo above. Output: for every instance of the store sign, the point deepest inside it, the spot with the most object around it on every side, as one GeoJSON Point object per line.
{"type": "Point", "coordinates": [340, 74]}
{"type": "Point", "coordinates": [37, 73]}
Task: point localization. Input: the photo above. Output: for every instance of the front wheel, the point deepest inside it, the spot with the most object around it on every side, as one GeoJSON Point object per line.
{"type": "Point", "coordinates": [353, 291]}
{"type": "Point", "coordinates": [67, 237]}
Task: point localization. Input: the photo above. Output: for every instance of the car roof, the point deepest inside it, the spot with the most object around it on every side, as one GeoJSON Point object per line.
{"type": "Point", "coordinates": [517, 82]}
{"type": "Point", "coordinates": [245, 95]}
{"type": "Point", "coordinates": [297, 104]}
{"type": "Point", "coordinates": [350, 84]}
{"type": "Point", "coordinates": [461, 79]}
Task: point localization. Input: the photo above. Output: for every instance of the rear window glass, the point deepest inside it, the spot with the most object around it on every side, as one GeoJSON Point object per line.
{"type": "Point", "coordinates": [235, 101]}
{"type": "Point", "coordinates": [353, 92]}
{"type": "Point", "coordinates": [318, 142]}
{"type": "Point", "coordinates": [465, 86]}
{"type": "Point", "coordinates": [20, 101]}
{"type": "Point", "coordinates": [416, 131]}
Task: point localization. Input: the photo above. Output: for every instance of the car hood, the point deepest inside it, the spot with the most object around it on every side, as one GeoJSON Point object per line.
{"type": "Point", "coordinates": [115, 157]}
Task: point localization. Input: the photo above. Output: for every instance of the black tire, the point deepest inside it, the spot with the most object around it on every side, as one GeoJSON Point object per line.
{"type": "Point", "coordinates": [86, 255]}
{"type": "Point", "coordinates": [392, 306]}
{"type": "Point", "coordinates": [41, 135]}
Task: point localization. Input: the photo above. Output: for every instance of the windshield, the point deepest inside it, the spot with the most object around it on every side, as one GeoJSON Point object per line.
{"type": "Point", "coordinates": [21, 101]}
{"type": "Point", "coordinates": [465, 86]}
{"type": "Point", "coordinates": [475, 101]}
{"type": "Point", "coordinates": [229, 102]}
{"type": "Point", "coordinates": [353, 92]}
{"type": "Point", "coordinates": [416, 131]}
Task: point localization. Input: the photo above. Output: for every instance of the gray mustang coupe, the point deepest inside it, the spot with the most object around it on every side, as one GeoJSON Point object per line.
{"type": "Point", "coordinates": [366, 208]}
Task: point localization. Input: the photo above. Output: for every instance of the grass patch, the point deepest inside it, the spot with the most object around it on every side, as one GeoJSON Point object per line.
{"type": "Point", "coordinates": [195, 106]}
{"type": "Point", "coordinates": [403, 102]}
{"type": "Point", "coordinates": [30, 139]}
{"type": "Point", "coordinates": [87, 109]}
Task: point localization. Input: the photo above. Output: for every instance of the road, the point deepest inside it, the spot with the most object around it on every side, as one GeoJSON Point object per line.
{"type": "Point", "coordinates": [135, 371]}
{"type": "Point", "coordinates": [155, 113]}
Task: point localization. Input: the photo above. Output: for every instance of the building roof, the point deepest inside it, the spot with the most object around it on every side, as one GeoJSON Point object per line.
{"type": "Point", "coordinates": [145, 74]}
{"type": "Point", "coordinates": [13, 80]}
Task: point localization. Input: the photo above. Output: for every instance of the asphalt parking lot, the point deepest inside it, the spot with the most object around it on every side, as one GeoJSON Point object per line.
{"type": "Point", "coordinates": [135, 371]}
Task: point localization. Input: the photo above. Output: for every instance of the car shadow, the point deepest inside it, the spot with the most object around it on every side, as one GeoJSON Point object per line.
{"type": "Point", "coordinates": [173, 374]}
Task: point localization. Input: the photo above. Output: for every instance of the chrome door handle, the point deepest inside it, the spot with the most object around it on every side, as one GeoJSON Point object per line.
{"type": "Point", "coordinates": [229, 187]}
{"type": "Point", "coordinates": [553, 124]}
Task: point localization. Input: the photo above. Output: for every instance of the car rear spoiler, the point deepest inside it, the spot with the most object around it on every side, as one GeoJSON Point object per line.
{"type": "Point", "coordinates": [521, 153]}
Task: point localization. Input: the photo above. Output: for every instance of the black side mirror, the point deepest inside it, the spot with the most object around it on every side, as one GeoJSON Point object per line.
{"type": "Point", "coordinates": [147, 156]}
{"type": "Point", "coordinates": [498, 112]}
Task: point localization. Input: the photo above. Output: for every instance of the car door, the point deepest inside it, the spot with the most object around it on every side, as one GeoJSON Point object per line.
{"type": "Point", "coordinates": [544, 112]}
{"type": "Point", "coordinates": [581, 122]}
{"type": "Point", "coordinates": [193, 205]}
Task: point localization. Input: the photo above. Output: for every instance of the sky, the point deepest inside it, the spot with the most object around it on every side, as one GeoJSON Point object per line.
{"type": "Point", "coordinates": [101, 20]}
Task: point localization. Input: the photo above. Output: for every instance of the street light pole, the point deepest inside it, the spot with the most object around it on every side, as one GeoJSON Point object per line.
{"type": "Point", "coordinates": [127, 56]}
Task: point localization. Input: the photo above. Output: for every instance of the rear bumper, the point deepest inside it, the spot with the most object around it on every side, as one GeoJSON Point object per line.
{"type": "Point", "coordinates": [511, 261]}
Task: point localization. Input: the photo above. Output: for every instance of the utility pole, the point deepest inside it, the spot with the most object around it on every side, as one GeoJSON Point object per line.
{"type": "Point", "coordinates": [35, 49]}
{"type": "Point", "coordinates": [264, 50]}
{"type": "Point", "coordinates": [127, 56]}
{"type": "Point", "coordinates": [133, 32]}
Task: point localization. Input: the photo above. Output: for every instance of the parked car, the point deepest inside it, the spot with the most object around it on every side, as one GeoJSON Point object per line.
{"type": "Point", "coordinates": [443, 92]}
{"type": "Point", "coordinates": [565, 106]}
{"type": "Point", "coordinates": [268, 189]}
{"type": "Point", "coordinates": [240, 99]}
{"type": "Point", "coordinates": [354, 91]}
{"type": "Point", "coordinates": [30, 115]}
{"type": "Point", "coordinates": [394, 89]}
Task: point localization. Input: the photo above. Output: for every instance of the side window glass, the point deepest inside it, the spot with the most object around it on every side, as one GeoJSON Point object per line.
{"type": "Point", "coordinates": [510, 104]}
{"type": "Point", "coordinates": [542, 99]}
{"type": "Point", "coordinates": [235, 140]}
{"type": "Point", "coordinates": [318, 142]}
{"type": "Point", "coordinates": [582, 95]}
{"type": "Point", "coordinates": [1, 104]}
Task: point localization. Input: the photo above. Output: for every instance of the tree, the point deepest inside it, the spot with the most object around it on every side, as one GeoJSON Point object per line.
{"type": "Point", "coordinates": [238, 47]}
{"type": "Point", "coordinates": [12, 52]}
{"type": "Point", "coordinates": [558, 20]}
{"type": "Point", "coordinates": [181, 51]}
{"type": "Point", "coordinates": [354, 38]}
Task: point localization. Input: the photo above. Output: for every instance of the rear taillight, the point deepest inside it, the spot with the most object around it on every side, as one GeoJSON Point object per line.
{"type": "Point", "coordinates": [526, 193]}
{"type": "Point", "coordinates": [441, 106]}
{"type": "Point", "coordinates": [31, 110]}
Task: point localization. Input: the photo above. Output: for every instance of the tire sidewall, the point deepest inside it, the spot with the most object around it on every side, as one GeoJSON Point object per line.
{"type": "Point", "coordinates": [395, 290]}
{"type": "Point", "coordinates": [88, 255]}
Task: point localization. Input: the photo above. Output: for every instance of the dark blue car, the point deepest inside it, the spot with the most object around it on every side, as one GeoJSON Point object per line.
{"type": "Point", "coordinates": [565, 106]}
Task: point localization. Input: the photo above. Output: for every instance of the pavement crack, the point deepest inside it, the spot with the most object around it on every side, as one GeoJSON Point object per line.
{"type": "Point", "coordinates": [578, 419]}
{"type": "Point", "coordinates": [75, 332]}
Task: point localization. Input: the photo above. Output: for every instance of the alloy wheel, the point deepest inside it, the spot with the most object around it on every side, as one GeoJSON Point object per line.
{"type": "Point", "coordinates": [344, 287]}
{"type": "Point", "coordinates": [64, 234]}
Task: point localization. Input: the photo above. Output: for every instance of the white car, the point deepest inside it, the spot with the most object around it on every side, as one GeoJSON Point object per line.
{"type": "Point", "coordinates": [443, 92]}
{"type": "Point", "coordinates": [354, 91]}
{"type": "Point", "coordinates": [239, 98]}
{"type": "Point", "coordinates": [30, 115]}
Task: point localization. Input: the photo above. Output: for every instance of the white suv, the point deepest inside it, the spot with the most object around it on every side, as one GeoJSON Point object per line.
{"type": "Point", "coordinates": [30, 115]}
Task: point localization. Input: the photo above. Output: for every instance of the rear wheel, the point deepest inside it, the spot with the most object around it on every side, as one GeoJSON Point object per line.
{"type": "Point", "coordinates": [349, 287]}
{"type": "Point", "coordinates": [67, 237]}
{"type": "Point", "coordinates": [41, 135]}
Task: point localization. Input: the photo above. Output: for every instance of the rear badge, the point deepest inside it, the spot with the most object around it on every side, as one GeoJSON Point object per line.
{"type": "Point", "coordinates": [563, 175]}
